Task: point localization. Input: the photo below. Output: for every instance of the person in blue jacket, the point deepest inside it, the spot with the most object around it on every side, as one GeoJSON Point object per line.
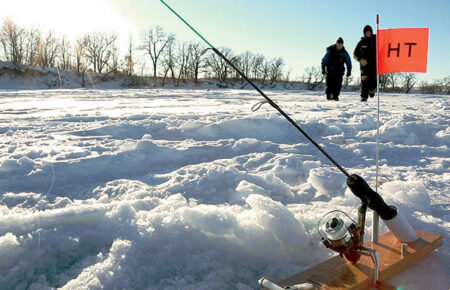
{"type": "Point", "coordinates": [333, 67]}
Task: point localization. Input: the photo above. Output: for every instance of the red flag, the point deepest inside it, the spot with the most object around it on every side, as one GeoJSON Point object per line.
{"type": "Point", "coordinates": [402, 50]}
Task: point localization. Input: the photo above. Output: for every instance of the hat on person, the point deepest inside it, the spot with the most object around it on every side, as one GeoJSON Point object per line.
{"type": "Point", "coordinates": [367, 28]}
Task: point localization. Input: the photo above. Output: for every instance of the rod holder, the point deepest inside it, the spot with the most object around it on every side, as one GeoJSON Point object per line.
{"type": "Point", "coordinates": [401, 228]}
{"type": "Point", "coordinates": [373, 254]}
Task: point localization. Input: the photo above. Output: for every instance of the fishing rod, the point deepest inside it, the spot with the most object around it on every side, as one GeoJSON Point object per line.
{"type": "Point", "coordinates": [345, 238]}
{"type": "Point", "coordinates": [272, 103]}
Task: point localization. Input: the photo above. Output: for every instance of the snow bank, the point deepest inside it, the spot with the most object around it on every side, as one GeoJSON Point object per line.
{"type": "Point", "coordinates": [36, 77]}
{"type": "Point", "coordinates": [412, 194]}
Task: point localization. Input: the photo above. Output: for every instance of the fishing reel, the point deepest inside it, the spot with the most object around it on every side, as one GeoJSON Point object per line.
{"type": "Point", "coordinates": [347, 238]}
{"type": "Point", "coordinates": [342, 237]}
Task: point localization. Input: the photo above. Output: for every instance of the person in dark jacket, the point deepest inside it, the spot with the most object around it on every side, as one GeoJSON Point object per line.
{"type": "Point", "coordinates": [333, 67]}
{"type": "Point", "coordinates": [365, 53]}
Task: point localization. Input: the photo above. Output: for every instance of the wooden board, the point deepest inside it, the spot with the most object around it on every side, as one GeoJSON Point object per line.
{"type": "Point", "coordinates": [337, 273]}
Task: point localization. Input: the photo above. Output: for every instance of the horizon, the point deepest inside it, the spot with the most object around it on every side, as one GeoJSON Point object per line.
{"type": "Point", "coordinates": [299, 37]}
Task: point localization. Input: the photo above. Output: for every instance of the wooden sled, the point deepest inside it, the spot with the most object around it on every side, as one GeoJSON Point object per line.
{"type": "Point", "coordinates": [337, 273]}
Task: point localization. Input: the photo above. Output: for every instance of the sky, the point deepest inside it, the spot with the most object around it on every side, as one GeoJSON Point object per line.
{"type": "Point", "coordinates": [298, 31]}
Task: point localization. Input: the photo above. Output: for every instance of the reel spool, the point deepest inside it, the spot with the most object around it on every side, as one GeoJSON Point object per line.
{"type": "Point", "coordinates": [342, 237]}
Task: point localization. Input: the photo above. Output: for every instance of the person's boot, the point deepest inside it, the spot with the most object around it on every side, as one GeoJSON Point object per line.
{"type": "Point", "coordinates": [328, 97]}
{"type": "Point", "coordinates": [336, 99]}
{"type": "Point", "coordinates": [372, 94]}
{"type": "Point", "coordinates": [364, 96]}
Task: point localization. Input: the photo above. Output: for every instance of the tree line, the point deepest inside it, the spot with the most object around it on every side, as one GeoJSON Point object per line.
{"type": "Point", "coordinates": [406, 82]}
{"type": "Point", "coordinates": [162, 57]}
{"type": "Point", "coordinates": [168, 59]}
{"type": "Point", "coordinates": [391, 82]}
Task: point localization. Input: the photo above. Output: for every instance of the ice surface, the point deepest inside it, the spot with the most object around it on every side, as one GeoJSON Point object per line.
{"type": "Point", "coordinates": [189, 189]}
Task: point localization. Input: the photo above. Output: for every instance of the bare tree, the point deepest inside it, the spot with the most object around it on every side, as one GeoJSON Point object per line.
{"type": "Point", "coordinates": [276, 69]}
{"type": "Point", "coordinates": [101, 51]}
{"type": "Point", "coordinates": [287, 77]}
{"type": "Point", "coordinates": [219, 67]}
{"type": "Point", "coordinates": [33, 38]}
{"type": "Point", "coordinates": [409, 81]}
{"type": "Point", "coordinates": [141, 64]}
{"type": "Point", "coordinates": [392, 80]}
{"type": "Point", "coordinates": [81, 62]}
{"type": "Point", "coordinates": [446, 84]}
{"type": "Point", "coordinates": [166, 65]}
{"type": "Point", "coordinates": [430, 87]}
{"type": "Point", "coordinates": [154, 41]}
{"type": "Point", "coordinates": [65, 54]}
{"type": "Point", "coordinates": [129, 60]}
{"type": "Point", "coordinates": [347, 82]}
{"type": "Point", "coordinates": [12, 38]}
{"type": "Point", "coordinates": [245, 63]}
{"type": "Point", "coordinates": [318, 76]}
{"type": "Point", "coordinates": [423, 85]}
{"type": "Point", "coordinates": [307, 76]}
{"type": "Point", "coordinates": [91, 48]}
{"type": "Point", "coordinates": [108, 53]}
{"type": "Point", "coordinates": [384, 82]}
{"type": "Point", "coordinates": [265, 70]}
{"type": "Point", "coordinates": [236, 61]}
{"type": "Point", "coordinates": [196, 51]}
{"type": "Point", "coordinates": [182, 61]}
{"type": "Point", "coordinates": [169, 62]}
{"type": "Point", "coordinates": [256, 65]}
{"type": "Point", "coordinates": [313, 77]}
{"type": "Point", "coordinates": [48, 50]}
{"type": "Point", "coordinates": [113, 66]}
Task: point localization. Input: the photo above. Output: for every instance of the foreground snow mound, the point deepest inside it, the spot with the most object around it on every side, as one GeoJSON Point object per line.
{"type": "Point", "coordinates": [326, 181]}
{"type": "Point", "coordinates": [412, 193]}
{"type": "Point", "coordinates": [189, 189]}
{"type": "Point", "coordinates": [172, 241]}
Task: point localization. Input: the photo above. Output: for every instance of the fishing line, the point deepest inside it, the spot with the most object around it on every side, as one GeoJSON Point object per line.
{"type": "Point", "coordinates": [40, 267]}
{"type": "Point", "coordinates": [268, 100]}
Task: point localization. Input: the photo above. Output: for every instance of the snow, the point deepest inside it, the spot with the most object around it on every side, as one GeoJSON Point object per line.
{"type": "Point", "coordinates": [326, 181]}
{"type": "Point", "coordinates": [190, 189]}
{"type": "Point", "coordinates": [16, 76]}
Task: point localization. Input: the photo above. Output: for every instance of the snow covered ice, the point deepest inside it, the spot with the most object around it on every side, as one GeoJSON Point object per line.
{"type": "Point", "coordinates": [189, 189]}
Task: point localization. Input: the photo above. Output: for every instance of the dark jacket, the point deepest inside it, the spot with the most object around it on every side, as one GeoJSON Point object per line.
{"type": "Point", "coordinates": [334, 61]}
{"type": "Point", "coordinates": [367, 49]}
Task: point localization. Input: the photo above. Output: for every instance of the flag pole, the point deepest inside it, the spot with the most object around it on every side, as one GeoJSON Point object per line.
{"type": "Point", "coordinates": [376, 218]}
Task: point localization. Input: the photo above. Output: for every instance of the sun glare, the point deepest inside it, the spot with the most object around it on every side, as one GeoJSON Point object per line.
{"type": "Point", "coordinates": [71, 18]}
